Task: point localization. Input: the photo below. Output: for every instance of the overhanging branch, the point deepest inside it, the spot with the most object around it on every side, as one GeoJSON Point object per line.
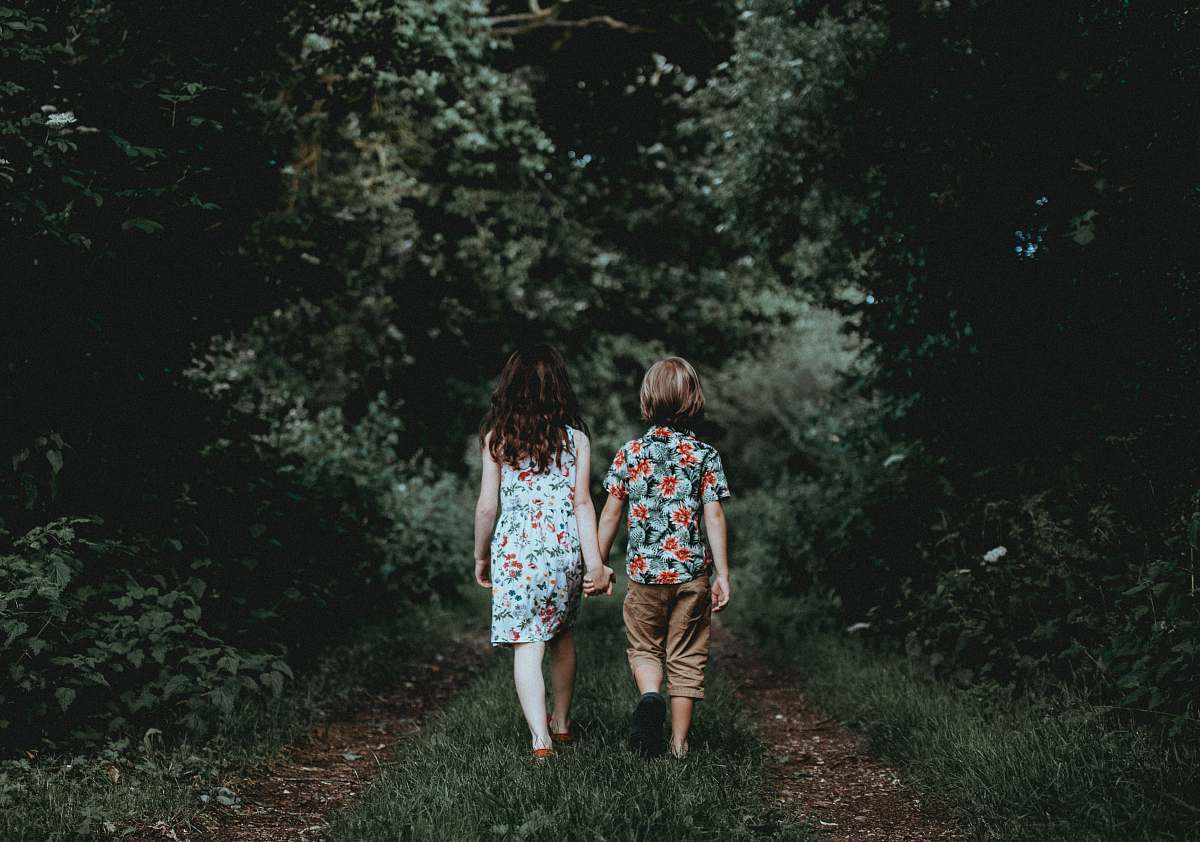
{"type": "Point", "coordinates": [550, 18]}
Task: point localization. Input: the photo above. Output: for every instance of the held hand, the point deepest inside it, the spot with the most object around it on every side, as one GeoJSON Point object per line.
{"type": "Point", "coordinates": [720, 593]}
{"type": "Point", "coordinates": [483, 572]}
{"type": "Point", "coordinates": [599, 583]}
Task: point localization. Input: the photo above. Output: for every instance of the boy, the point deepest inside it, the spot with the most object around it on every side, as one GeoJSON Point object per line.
{"type": "Point", "coordinates": [670, 479]}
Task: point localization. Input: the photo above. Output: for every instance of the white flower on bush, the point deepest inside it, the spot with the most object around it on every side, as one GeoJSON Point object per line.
{"type": "Point", "coordinates": [59, 120]}
{"type": "Point", "coordinates": [854, 628]}
{"type": "Point", "coordinates": [995, 554]}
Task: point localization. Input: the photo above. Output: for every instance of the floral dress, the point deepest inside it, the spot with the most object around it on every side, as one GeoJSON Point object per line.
{"type": "Point", "coordinates": [537, 567]}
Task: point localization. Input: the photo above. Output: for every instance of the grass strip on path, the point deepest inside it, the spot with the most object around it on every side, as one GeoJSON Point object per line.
{"type": "Point", "coordinates": [1018, 772]}
{"type": "Point", "coordinates": [471, 778]}
{"type": "Point", "coordinates": [132, 785]}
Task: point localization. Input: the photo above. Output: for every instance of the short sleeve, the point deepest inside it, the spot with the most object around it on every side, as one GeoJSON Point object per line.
{"type": "Point", "coordinates": [713, 485]}
{"type": "Point", "coordinates": [617, 478]}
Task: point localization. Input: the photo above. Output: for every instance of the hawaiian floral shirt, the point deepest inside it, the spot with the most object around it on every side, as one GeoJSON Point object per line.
{"type": "Point", "coordinates": [667, 476]}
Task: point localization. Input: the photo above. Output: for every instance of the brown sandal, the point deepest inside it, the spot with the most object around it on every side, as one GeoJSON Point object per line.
{"type": "Point", "coordinates": [565, 738]}
{"type": "Point", "coordinates": [543, 753]}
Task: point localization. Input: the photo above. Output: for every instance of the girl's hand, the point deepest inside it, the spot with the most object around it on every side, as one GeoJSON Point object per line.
{"type": "Point", "coordinates": [483, 572]}
{"type": "Point", "coordinates": [599, 582]}
{"type": "Point", "coordinates": [720, 592]}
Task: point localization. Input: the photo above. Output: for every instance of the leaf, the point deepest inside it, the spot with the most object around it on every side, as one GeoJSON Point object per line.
{"type": "Point", "coordinates": [148, 226]}
{"type": "Point", "coordinates": [65, 696]}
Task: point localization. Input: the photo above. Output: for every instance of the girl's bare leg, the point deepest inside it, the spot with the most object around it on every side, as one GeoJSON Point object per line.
{"type": "Point", "coordinates": [531, 689]}
{"type": "Point", "coordinates": [562, 679]}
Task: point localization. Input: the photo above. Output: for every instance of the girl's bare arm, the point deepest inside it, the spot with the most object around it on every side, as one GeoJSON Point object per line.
{"type": "Point", "coordinates": [598, 577]}
{"type": "Point", "coordinates": [485, 516]}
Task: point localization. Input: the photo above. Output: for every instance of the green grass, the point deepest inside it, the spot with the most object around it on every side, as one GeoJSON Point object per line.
{"type": "Point", "coordinates": [470, 778]}
{"type": "Point", "coordinates": [60, 797]}
{"type": "Point", "coordinates": [1040, 770]}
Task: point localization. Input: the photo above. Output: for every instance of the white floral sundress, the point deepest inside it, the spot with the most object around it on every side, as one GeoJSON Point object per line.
{"type": "Point", "coordinates": [537, 567]}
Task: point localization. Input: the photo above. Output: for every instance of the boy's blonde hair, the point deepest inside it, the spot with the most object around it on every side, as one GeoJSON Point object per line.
{"type": "Point", "coordinates": [671, 393]}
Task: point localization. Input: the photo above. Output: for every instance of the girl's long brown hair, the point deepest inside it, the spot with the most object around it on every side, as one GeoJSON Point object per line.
{"type": "Point", "coordinates": [532, 404]}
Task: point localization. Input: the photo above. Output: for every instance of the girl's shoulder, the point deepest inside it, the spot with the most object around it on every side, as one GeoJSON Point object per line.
{"type": "Point", "coordinates": [576, 434]}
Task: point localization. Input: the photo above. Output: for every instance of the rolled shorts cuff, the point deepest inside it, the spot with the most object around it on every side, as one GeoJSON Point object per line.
{"type": "Point", "coordinates": [642, 656]}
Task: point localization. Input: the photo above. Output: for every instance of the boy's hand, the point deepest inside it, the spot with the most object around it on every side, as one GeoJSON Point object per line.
{"type": "Point", "coordinates": [483, 572]}
{"type": "Point", "coordinates": [599, 583]}
{"type": "Point", "coordinates": [720, 592]}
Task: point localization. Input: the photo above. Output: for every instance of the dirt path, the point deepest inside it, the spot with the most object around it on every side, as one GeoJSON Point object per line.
{"type": "Point", "coordinates": [818, 770]}
{"type": "Point", "coordinates": [293, 795]}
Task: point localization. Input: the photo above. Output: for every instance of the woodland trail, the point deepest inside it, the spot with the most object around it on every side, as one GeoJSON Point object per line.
{"type": "Point", "coordinates": [359, 775]}
{"type": "Point", "coordinates": [817, 769]}
{"type": "Point", "coordinates": [291, 797]}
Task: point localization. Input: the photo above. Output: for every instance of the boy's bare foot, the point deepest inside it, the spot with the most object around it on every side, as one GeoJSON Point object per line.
{"type": "Point", "coordinates": [646, 726]}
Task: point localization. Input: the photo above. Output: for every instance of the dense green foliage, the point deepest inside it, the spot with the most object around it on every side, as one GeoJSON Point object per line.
{"type": "Point", "coordinates": [262, 267]}
{"type": "Point", "coordinates": [261, 277]}
{"type": "Point", "coordinates": [999, 197]}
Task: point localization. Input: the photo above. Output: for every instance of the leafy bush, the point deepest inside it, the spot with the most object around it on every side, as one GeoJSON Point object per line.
{"type": "Point", "coordinates": [1056, 598]}
{"type": "Point", "coordinates": [86, 651]}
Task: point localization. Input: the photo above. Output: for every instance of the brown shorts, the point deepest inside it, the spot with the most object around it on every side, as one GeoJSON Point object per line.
{"type": "Point", "coordinates": [671, 621]}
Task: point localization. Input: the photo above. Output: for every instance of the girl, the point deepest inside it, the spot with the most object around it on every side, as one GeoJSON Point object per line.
{"type": "Point", "coordinates": [536, 463]}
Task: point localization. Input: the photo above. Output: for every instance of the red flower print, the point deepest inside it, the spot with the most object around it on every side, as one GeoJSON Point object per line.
{"type": "Point", "coordinates": [516, 635]}
{"type": "Point", "coordinates": [562, 538]}
{"type": "Point", "coordinates": [512, 568]}
{"type": "Point", "coordinates": [617, 491]}
{"type": "Point", "coordinates": [668, 485]}
{"type": "Point", "coordinates": [683, 554]}
{"type": "Point", "coordinates": [641, 469]}
{"type": "Point", "coordinates": [685, 447]}
{"type": "Point", "coordinates": [708, 479]}
{"type": "Point", "coordinates": [524, 475]}
{"type": "Point", "coordinates": [681, 516]}
{"type": "Point", "coordinates": [667, 577]}
{"type": "Point", "coordinates": [503, 541]}
{"type": "Point", "coordinates": [671, 544]}
{"type": "Point", "coordinates": [635, 447]}
{"type": "Point", "coordinates": [637, 565]}
{"type": "Point", "coordinates": [619, 459]}
{"type": "Point", "coordinates": [687, 460]}
{"type": "Point", "coordinates": [640, 511]}
{"type": "Point", "coordinates": [665, 432]}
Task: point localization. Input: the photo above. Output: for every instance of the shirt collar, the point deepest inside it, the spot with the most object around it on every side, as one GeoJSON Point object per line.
{"type": "Point", "coordinates": [666, 431]}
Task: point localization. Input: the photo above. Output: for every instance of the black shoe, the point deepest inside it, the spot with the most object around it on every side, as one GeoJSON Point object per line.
{"type": "Point", "coordinates": [646, 726]}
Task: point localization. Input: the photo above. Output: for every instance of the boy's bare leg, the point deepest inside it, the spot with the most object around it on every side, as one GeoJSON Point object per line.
{"type": "Point", "coordinates": [648, 677]}
{"type": "Point", "coordinates": [562, 680]}
{"type": "Point", "coordinates": [681, 722]}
